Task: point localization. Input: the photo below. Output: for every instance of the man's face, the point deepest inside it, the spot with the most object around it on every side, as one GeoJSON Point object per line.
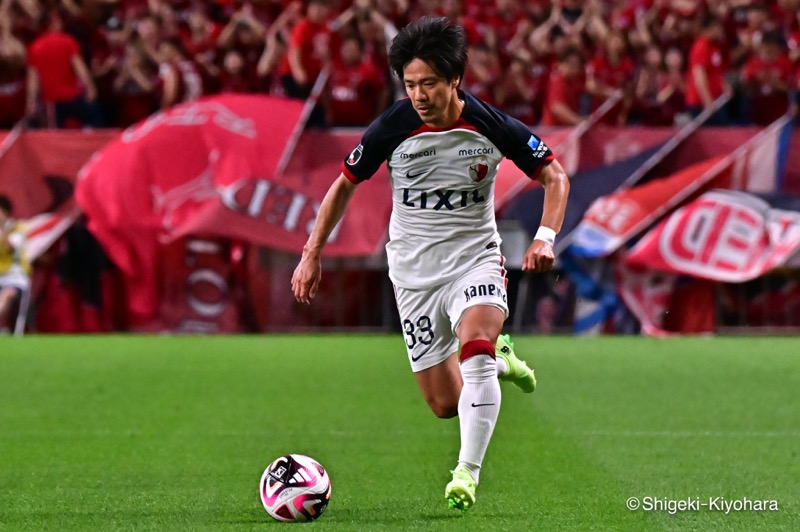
{"type": "Point", "coordinates": [716, 32]}
{"type": "Point", "coordinates": [769, 51]}
{"type": "Point", "coordinates": [350, 52]}
{"type": "Point", "coordinates": [430, 93]}
{"type": "Point", "coordinates": [571, 66]}
{"type": "Point", "coordinates": [317, 12]}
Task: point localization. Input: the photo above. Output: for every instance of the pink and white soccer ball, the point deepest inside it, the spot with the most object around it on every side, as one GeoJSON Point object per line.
{"type": "Point", "coordinates": [295, 487]}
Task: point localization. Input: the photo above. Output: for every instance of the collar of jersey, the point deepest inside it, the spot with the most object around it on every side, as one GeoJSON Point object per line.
{"type": "Point", "coordinates": [460, 123]}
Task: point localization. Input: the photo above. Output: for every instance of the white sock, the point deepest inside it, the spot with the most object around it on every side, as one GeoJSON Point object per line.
{"type": "Point", "coordinates": [478, 408]}
{"type": "Point", "coordinates": [502, 367]}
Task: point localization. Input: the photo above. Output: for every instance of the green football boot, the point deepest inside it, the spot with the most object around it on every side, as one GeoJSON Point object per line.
{"type": "Point", "coordinates": [460, 492]}
{"type": "Point", "coordinates": [518, 371]}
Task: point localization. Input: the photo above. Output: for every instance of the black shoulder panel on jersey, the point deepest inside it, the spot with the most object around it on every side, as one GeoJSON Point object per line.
{"type": "Point", "coordinates": [512, 137]}
{"type": "Point", "coordinates": [382, 137]}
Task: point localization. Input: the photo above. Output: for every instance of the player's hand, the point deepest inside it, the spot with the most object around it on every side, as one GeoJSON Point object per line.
{"type": "Point", "coordinates": [306, 278]}
{"type": "Point", "coordinates": [539, 257]}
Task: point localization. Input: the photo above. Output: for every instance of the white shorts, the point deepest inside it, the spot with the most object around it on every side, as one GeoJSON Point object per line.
{"type": "Point", "coordinates": [16, 277]}
{"type": "Point", "coordinates": [430, 317]}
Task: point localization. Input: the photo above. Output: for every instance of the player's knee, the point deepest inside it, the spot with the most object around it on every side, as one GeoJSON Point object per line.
{"type": "Point", "coordinates": [445, 412]}
{"type": "Point", "coordinates": [444, 409]}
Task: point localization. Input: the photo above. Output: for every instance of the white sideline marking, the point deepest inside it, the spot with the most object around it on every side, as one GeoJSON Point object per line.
{"type": "Point", "coordinates": [219, 433]}
{"type": "Point", "coordinates": [689, 433]}
{"type": "Point", "coordinates": [396, 433]}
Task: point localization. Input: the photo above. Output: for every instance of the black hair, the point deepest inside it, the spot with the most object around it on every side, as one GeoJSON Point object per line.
{"type": "Point", "coordinates": [710, 20]}
{"type": "Point", "coordinates": [434, 40]}
{"type": "Point", "coordinates": [570, 51]}
{"type": "Point", "coordinates": [555, 32]}
{"type": "Point", "coordinates": [5, 204]}
{"type": "Point", "coordinates": [773, 37]}
{"type": "Point", "coordinates": [177, 44]}
{"type": "Point", "coordinates": [362, 45]}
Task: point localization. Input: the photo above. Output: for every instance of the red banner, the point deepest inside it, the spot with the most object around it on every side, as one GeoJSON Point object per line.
{"type": "Point", "coordinates": [614, 219]}
{"type": "Point", "coordinates": [38, 169]}
{"type": "Point", "coordinates": [722, 236]}
{"type": "Point", "coordinates": [188, 176]}
{"type": "Point", "coordinates": [208, 169]}
{"type": "Point", "coordinates": [666, 303]}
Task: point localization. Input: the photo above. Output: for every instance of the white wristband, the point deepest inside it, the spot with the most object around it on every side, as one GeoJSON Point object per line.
{"type": "Point", "coordinates": [545, 234]}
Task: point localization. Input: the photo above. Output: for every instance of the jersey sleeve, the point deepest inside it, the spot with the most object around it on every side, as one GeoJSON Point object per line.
{"type": "Point", "coordinates": [299, 34]}
{"type": "Point", "coordinates": [382, 137]}
{"type": "Point", "coordinates": [524, 149]}
{"type": "Point", "coordinates": [369, 155]}
{"type": "Point", "coordinates": [513, 138]}
{"type": "Point", "coordinates": [700, 54]}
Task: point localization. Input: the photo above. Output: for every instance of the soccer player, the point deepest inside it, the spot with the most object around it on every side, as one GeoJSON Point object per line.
{"type": "Point", "coordinates": [14, 270]}
{"type": "Point", "coordinates": [442, 147]}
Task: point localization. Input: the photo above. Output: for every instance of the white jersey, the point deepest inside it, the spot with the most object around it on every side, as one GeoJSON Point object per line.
{"type": "Point", "coordinates": [443, 186]}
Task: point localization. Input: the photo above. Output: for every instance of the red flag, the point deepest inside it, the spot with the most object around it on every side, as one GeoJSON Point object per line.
{"type": "Point", "coordinates": [614, 219]}
{"type": "Point", "coordinates": [722, 236]}
{"type": "Point", "coordinates": [208, 168]}
{"type": "Point", "coordinates": [646, 294]}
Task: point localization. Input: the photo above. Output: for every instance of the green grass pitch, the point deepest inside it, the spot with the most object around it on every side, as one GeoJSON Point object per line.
{"type": "Point", "coordinates": [173, 433]}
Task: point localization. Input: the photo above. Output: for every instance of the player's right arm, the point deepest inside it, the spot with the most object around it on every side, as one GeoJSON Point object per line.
{"type": "Point", "coordinates": [359, 166]}
{"type": "Point", "coordinates": [307, 275]}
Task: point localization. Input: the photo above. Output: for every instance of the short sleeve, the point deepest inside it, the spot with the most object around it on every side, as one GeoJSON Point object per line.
{"type": "Point", "coordinates": [298, 36]}
{"type": "Point", "coordinates": [699, 54]}
{"type": "Point", "coordinates": [525, 149]}
{"type": "Point", "coordinates": [382, 137]}
{"type": "Point", "coordinates": [368, 156]}
{"type": "Point", "coordinates": [513, 138]}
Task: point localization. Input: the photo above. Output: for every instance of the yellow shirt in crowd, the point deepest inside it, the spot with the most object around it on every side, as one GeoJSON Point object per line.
{"type": "Point", "coordinates": [11, 250]}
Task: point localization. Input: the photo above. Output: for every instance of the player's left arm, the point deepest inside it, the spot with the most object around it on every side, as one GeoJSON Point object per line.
{"type": "Point", "coordinates": [530, 154]}
{"type": "Point", "coordinates": [540, 256]}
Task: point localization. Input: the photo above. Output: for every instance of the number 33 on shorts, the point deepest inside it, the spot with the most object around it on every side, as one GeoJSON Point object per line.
{"type": "Point", "coordinates": [418, 331]}
{"type": "Point", "coordinates": [429, 340]}
{"type": "Point", "coordinates": [429, 316]}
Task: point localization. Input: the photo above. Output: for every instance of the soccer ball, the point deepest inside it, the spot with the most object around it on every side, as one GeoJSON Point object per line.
{"type": "Point", "coordinates": [295, 487]}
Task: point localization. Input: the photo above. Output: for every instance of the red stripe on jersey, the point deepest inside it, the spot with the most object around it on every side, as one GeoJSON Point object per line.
{"type": "Point", "coordinates": [459, 124]}
{"type": "Point", "coordinates": [349, 175]}
{"type": "Point", "coordinates": [539, 169]}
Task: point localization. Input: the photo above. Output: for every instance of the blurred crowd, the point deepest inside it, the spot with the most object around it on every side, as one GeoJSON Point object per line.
{"type": "Point", "coordinates": [111, 63]}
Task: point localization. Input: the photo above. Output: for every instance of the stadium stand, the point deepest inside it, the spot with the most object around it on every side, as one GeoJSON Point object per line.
{"type": "Point", "coordinates": [146, 55]}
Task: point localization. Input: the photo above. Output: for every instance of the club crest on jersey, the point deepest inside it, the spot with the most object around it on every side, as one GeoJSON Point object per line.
{"type": "Point", "coordinates": [355, 156]}
{"type": "Point", "coordinates": [478, 169]}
